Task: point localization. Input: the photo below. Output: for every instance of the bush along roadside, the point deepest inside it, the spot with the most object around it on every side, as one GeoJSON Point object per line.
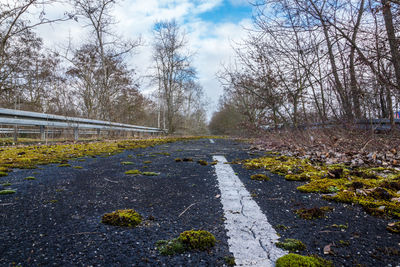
{"type": "Point", "coordinates": [376, 189]}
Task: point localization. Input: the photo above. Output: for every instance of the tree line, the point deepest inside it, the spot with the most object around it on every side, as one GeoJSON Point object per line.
{"type": "Point", "coordinates": [93, 79]}
{"type": "Point", "coordinates": [307, 61]}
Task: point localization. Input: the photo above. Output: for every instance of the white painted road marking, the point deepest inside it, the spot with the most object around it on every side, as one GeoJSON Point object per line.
{"type": "Point", "coordinates": [211, 141]}
{"type": "Point", "coordinates": [251, 238]}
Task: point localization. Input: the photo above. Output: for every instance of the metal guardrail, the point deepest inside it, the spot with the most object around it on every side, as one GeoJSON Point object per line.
{"type": "Point", "coordinates": [26, 118]}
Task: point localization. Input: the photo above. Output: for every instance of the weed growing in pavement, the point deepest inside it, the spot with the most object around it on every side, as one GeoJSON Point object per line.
{"type": "Point", "coordinates": [259, 177]}
{"type": "Point", "coordinates": [292, 259]}
{"type": "Point", "coordinates": [126, 163]}
{"type": "Point", "coordinates": [3, 173]}
{"type": "Point", "coordinates": [7, 192]}
{"type": "Point", "coordinates": [30, 178]}
{"type": "Point", "coordinates": [230, 260]}
{"type": "Point", "coordinates": [376, 189]}
{"type": "Point", "coordinates": [77, 167]}
{"type": "Point", "coordinates": [291, 245]}
{"type": "Point", "coordinates": [188, 240]}
{"type": "Point", "coordinates": [6, 184]}
{"type": "Point", "coordinates": [127, 217]}
{"type": "Point", "coordinates": [313, 213]}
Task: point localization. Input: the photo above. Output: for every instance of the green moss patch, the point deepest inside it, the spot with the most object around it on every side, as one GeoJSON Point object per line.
{"type": "Point", "coordinates": [30, 178]}
{"type": "Point", "coordinates": [126, 163]}
{"type": "Point", "coordinates": [291, 245]}
{"type": "Point", "coordinates": [202, 162]}
{"type": "Point", "coordinates": [295, 260]}
{"type": "Point", "coordinates": [313, 213]}
{"type": "Point", "coordinates": [3, 174]}
{"type": "Point", "coordinates": [229, 260]}
{"type": "Point", "coordinates": [127, 217]}
{"type": "Point", "coordinates": [7, 192]}
{"type": "Point", "coordinates": [147, 161]}
{"type": "Point", "coordinates": [77, 167]}
{"type": "Point", "coordinates": [199, 239]}
{"type": "Point", "coordinates": [6, 184]}
{"type": "Point", "coordinates": [134, 172]}
{"type": "Point", "coordinates": [188, 240]}
{"type": "Point", "coordinates": [64, 165]}
{"type": "Point", "coordinates": [259, 177]}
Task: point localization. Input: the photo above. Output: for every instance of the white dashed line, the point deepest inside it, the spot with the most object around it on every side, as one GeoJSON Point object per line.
{"type": "Point", "coordinates": [212, 141]}
{"type": "Point", "coordinates": [251, 238]}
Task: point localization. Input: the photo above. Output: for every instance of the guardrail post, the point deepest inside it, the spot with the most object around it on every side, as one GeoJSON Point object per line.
{"type": "Point", "coordinates": [76, 134]}
{"type": "Point", "coordinates": [98, 133]}
{"type": "Point", "coordinates": [42, 133]}
{"type": "Point", "coordinates": [15, 135]}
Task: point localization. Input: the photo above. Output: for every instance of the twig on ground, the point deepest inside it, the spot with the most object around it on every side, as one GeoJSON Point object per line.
{"type": "Point", "coordinates": [369, 141]}
{"type": "Point", "coordinates": [186, 209]}
{"type": "Point", "coordinates": [6, 204]}
{"type": "Point", "coordinates": [110, 181]}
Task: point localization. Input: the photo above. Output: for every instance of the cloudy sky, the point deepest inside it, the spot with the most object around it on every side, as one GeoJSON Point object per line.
{"type": "Point", "coordinates": [212, 26]}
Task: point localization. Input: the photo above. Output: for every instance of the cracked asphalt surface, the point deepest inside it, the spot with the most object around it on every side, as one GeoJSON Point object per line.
{"type": "Point", "coordinates": [55, 219]}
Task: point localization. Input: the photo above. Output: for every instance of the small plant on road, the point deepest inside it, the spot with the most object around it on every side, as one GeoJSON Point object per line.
{"type": "Point", "coordinates": [188, 240]}
{"type": "Point", "coordinates": [127, 217]}
{"type": "Point", "coordinates": [299, 260]}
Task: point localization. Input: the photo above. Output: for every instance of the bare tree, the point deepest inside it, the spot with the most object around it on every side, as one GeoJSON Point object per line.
{"type": "Point", "coordinates": [173, 68]}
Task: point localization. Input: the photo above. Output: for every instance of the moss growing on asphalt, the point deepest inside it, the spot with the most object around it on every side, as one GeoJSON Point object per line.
{"type": "Point", "coordinates": [6, 184]}
{"type": "Point", "coordinates": [126, 163]}
{"type": "Point", "coordinates": [4, 169]}
{"type": "Point", "coordinates": [28, 157]}
{"type": "Point", "coordinates": [295, 260]}
{"type": "Point", "coordinates": [202, 162]}
{"type": "Point", "coordinates": [135, 172]}
{"type": "Point", "coordinates": [170, 247]}
{"type": "Point", "coordinates": [147, 161]}
{"type": "Point", "coordinates": [291, 245]}
{"type": "Point", "coordinates": [7, 192]}
{"type": "Point", "coordinates": [230, 260]}
{"type": "Point", "coordinates": [64, 165]}
{"type": "Point", "coordinates": [127, 217]}
{"type": "Point", "coordinates": [200, 239]}
{"type": "Point", "coordinates": [313, 213]}
{"type": "Point", "coordinates": [3, 174]}
{"type": "Point", "coordinates": [259, 177]}
{"type": "Point", "coordinates": [371, 188]}
{"type": "Point", "coordinates": [30, 178]}
{"type": "Point", "coordinates": [188, 240]}
{"type": "Point", "coordinates": [77, 167]}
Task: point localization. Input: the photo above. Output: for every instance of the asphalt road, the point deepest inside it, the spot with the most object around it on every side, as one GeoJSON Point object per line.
{"type": "Point", "coordinates": [55, 219]}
